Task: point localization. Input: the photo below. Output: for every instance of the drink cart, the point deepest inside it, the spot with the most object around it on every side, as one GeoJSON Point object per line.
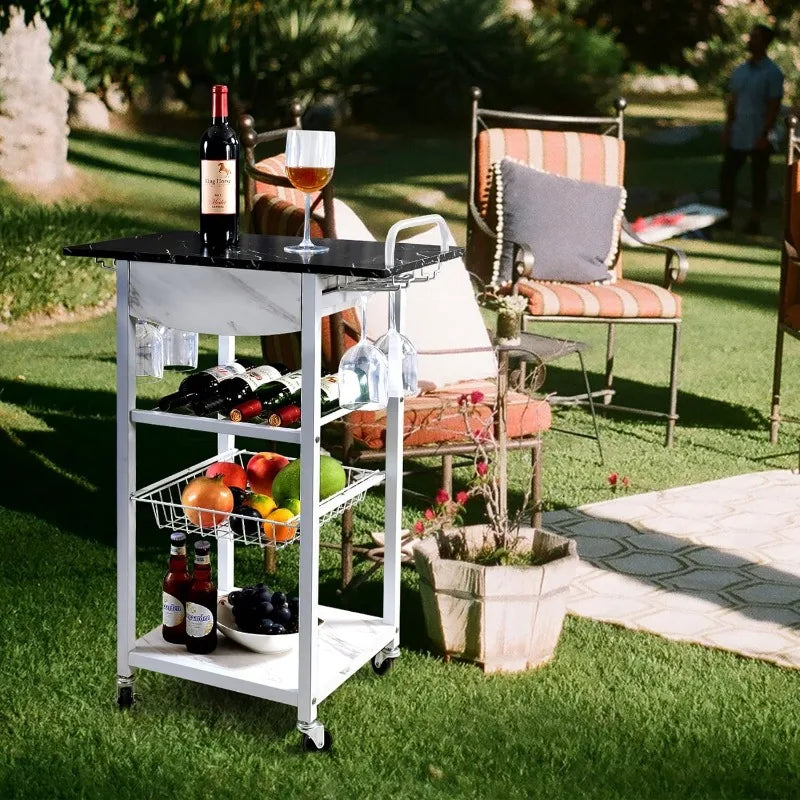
{"type": "Point", "coordinates": [252, 290]}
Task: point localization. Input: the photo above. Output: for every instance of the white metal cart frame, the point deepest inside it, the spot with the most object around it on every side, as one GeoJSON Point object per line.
{"type": "Point", "coordinates": [327, 655]}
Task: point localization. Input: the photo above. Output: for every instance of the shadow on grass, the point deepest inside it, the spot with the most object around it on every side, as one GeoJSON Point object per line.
{"type": "Point", "coordinates": [111, 164]}
{"type": "Point", "coordinates": [694, 410]}
{"type": "Point", "coordinates": [158, 149]}
{"type": "Point", "coordinates": [63, 474]}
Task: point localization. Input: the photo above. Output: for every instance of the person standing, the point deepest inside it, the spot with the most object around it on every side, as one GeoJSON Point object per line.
{"type": "Point", "coordinates": [756, 90]}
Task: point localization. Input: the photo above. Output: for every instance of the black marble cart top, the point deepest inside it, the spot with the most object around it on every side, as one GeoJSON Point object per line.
{"type": "Point", "coordinates": [345, 257]}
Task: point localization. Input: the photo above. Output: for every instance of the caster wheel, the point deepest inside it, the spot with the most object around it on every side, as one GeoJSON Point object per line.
{"type": "Point", "coordinates": [125, 697]}
{"type": "Point", "coordinates": [384, 667]}
{"type": "Point", "coordinates": [309, 745]}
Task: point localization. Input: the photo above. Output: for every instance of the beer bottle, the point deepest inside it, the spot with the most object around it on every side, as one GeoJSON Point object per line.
{"type": "Point", "coordinates": [174, 590]}
{"type": "Point", "coordinates": [201, 603]}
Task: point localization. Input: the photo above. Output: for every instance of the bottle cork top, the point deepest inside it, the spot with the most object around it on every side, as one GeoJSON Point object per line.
{"type": "Point", "coordinates": [250, 408]}
{"type": "Point", "coordinates": [203, 547]}
{"type": "Point", "coordinates": [178, 538]}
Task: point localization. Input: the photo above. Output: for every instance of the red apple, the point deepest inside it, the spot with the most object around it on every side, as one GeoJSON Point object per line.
{"type": "Point", "coordinates": [262, 469]}
{"type": "Point", "coordinates": [233, 475]}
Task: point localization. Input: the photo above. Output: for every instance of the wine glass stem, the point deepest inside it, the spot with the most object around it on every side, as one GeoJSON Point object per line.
{"type": "Point", "coordinates": [362, 302]}
{"type": "Point", "coordinates": [390, 298]}
{"type": "Point", "coordinates": [307, 223]}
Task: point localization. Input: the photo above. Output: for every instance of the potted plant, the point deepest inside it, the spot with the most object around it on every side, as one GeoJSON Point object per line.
{"type": "Point", "coordinates": [510, 309]}
{"type": "Point", "coordinates": [492, 593]}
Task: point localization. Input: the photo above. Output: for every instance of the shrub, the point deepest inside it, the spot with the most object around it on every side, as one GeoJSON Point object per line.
{"type": "Point", "coordinates": [426, 60]}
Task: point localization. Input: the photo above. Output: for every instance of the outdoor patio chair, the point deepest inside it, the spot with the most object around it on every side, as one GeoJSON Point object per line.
{"type": "Point", "coordinates": [443, 319]}
{"type": "Point", "coordinates": [789, 287]}
{"type": "Point", "coordinates": [539, 154]}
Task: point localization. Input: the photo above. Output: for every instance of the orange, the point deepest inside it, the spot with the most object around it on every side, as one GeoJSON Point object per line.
{"type": "Point", "coordinates": [280, 533]}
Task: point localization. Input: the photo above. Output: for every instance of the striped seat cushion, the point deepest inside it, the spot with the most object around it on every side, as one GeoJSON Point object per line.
{"type": "Point", "coordinates": [434, 417]}
{"type": "Point", "coordinates": [276, 165]}
{"type": "Point", "coordinates": [621, 300]}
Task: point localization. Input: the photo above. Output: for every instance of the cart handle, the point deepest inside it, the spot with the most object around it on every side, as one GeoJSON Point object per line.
{"type": "Point", "coordinates": [413, 222]}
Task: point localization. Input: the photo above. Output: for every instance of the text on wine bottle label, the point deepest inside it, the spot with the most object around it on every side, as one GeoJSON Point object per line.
{"type": "Point", "coordinates": [218, 186]}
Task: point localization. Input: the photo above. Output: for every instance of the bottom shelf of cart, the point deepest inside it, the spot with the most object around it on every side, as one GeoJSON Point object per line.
{"type": "Point", "coordinates": [346, 641]}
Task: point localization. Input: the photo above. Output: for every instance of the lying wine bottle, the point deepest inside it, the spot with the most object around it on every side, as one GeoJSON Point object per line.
{"type": "Point", "coordinates": [193, 386]}
{"type": "Point", "coordinates": [288, 416]}
{"type": "Point", "coordinates": [276, 393]}
{"type": "Point", "coordinates": [236, 390]}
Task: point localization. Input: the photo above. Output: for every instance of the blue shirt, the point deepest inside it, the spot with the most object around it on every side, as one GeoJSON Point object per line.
{"type": "Point", "coordinates": [754, 84]}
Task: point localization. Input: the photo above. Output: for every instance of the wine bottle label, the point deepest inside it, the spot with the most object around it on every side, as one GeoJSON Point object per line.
{"type": "Point", "coordinates": [223, 371]}
{"type": "Point", "coordinates": [172, 610]}
{"type": "Point", "coordinates": [177, 549]}
{"type": "Point", "coordinates": [292, 381]}
{"type": "Point", "coordinates": [202, 559]}
{"type": "Point", "coordinates": [199, 620]}
{"type": "Point", "coordinates": [329, 388]}
{"type": "Point", "coordinates": [259, 376]}
{"type": "Point", "coordinates": [218, 186]}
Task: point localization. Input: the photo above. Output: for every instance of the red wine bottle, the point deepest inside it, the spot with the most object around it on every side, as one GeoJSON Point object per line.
{"type": "Point", "coordinates": [194, 386]}
{"type": "Point", "coordinates": [230, 393]}
{"type": "Point", "coordinates": [219, 177]}
{"type": "Point", "coordinates": [288, 416]}
{"type": "Point", "coordinates": [283, 392]}
{"type": "Point", "coordinates": [268, 397]}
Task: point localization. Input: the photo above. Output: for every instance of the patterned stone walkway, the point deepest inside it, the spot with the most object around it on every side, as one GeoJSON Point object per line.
{"type": "Point", "coordinates": [716, 563]}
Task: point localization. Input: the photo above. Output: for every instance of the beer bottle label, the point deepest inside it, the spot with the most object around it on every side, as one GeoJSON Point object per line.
{"type": "Point", "coordinates": [172, 611]}
{"type": "Point", "coordinates": [199, 620]}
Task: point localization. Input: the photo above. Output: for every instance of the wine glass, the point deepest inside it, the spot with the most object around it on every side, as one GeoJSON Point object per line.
{"type": "Point", "coordinates": [363, 373]}
{"type": "Point", "coordinates": [149, 350]}
{"type": "Point", "coordinates": [180, 348]}
{"type": "Point", "coordinates": [310, 157]}
{"type": "Point", "coordinates": [394, 342]}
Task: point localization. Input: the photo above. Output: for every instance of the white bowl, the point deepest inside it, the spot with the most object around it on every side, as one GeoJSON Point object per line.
{"type": "Point", "coordinates": [257, 642]}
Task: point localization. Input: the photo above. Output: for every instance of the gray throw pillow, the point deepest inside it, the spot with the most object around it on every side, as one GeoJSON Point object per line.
{"type": "Point", "coordinates": [571, 226]}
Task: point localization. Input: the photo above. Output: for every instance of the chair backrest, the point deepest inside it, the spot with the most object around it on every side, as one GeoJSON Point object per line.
{"type": "Point", "coordinates": [789, 292]}
{"type": "Point", "coordinates": [590, 149]}
{"type": "Point", "coordinates": [272, 205]}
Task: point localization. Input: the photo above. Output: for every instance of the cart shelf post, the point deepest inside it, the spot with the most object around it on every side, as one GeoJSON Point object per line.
{"type": "Point", "coordinates": [126, 483]}
{"type": "Point", "coordinates": [311, 360]}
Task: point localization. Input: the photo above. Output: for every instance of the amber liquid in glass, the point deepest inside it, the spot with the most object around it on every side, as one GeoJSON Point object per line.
{"type": "Point", "coordinates": [309, 179]}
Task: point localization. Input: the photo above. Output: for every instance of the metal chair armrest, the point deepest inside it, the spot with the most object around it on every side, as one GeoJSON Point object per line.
{"type": "Point", "coordinates": [673, 272]}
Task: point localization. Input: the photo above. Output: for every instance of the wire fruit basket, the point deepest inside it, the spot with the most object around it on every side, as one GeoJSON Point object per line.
{"type": "Point", "coordinates": [164, 498]}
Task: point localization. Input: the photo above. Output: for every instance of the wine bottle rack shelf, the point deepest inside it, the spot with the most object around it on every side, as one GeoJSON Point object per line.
{"type": "Point", "coordinates": [164, 498]}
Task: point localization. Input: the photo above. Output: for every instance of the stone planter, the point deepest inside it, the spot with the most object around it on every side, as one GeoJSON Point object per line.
{"type": "Point", "coordinates": [504, 618]}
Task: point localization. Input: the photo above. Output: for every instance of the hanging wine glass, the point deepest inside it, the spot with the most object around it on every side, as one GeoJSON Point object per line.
{"type": "Point", "coordinates": [310, 158]}
{"type": "Point", "coordinates": [180, 348]}
{"type": "Point", "coordinates": [363, 372]}
{"type": "Point", "coordinates": [394, 345]}
{"type": "Point", "coordinates": [149, 350]}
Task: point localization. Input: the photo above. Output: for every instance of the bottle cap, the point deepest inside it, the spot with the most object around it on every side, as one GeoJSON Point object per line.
{"type": "Point", "coordinates": [247, 410]}
{"type": "Point", "coordinates": [202, 548]}
{"type": "Point", "coordinates": [219, 101]}
{"type": "Point", "coordinates": [285, 416]}
{"type": "Point", "coordinates": [178, 539]}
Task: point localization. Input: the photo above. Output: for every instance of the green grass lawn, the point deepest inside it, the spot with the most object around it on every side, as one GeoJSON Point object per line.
{"type": "Point", "coordinates": [617, 714]}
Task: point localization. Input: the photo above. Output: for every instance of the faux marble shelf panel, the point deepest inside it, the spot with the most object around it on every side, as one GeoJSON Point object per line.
{"type": "Point", "coordinates": [265, 253]}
